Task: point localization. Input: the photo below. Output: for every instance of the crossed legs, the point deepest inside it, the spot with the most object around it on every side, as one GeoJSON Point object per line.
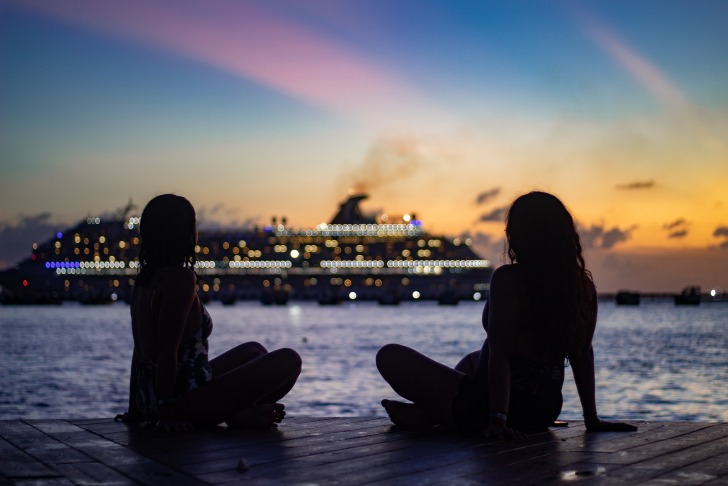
{"type": "Point", "coordinates": [429, 385]}
{"type": "Point", "coordinates": [248, 381]}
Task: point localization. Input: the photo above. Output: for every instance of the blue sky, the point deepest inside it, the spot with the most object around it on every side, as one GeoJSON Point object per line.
{"type": "Point", "coordinates": [259, 108]}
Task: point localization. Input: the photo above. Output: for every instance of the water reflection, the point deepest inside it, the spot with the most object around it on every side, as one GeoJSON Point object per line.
{"type": "Point", "coordinates": [654, 361]}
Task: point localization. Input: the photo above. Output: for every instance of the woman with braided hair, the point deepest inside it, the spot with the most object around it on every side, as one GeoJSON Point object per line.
{"type": "Point", "coordinates": [540, 316]}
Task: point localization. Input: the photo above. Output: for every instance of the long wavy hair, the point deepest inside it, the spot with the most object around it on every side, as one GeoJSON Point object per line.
{"type": "Point", "coordinates": [167, 236]}
{"type": "Point", "coordinates": [556, 288]}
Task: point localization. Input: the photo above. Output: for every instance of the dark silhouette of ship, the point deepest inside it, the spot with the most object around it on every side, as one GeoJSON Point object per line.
{"type": "Point", "coordinates": [689, 296]}
{"type": "Point", "coordinates": [353, 257]}
{"type": "Point", "coordinates": [627, 297]}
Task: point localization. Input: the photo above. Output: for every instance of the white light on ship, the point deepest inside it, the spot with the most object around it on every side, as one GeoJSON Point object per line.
{"type": "Point", "coordinates": [294, 253]}
{"type": "Point", "coordinates": [415, 295]}
{"type": "Point", "coordinates": [713, 292]}
{"type": "Point", "coordinates": [352, 295]}
{"type": "Point", "coordinates": [477, 296]}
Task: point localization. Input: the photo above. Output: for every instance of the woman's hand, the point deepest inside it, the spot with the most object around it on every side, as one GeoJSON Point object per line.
{"type": "Point", "coordinates": [596, 425]}
{"type": "Point", "coordinates": [173, 425]}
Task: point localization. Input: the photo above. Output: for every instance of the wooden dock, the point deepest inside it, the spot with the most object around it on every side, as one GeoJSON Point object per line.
{"type": "Point", "coordinates": [360, 450]}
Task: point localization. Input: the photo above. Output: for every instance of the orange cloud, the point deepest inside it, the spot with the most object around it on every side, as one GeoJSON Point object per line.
{"type": "Point", "coordinates": [637, 185]}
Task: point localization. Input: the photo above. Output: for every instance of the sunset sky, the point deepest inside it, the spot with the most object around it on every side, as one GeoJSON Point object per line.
{"type": "Point", "coordinates": [448, 109]}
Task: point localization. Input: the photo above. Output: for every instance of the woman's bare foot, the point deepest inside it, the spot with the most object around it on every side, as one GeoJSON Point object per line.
{"type": "Point", "coordinates": [258, 416]}
{"type": "Point", "coordinates": [407, 414]}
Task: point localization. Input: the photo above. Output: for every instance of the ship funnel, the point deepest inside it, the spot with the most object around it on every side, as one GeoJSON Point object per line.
{"type": "Point", "coordinates": [350, 213]}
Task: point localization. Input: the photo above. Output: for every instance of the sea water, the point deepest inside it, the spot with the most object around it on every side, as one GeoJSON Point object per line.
{"type": "Point", "coordinates": [655, 361]}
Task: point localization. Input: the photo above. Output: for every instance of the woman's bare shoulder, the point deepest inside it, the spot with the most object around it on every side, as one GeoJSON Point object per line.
{"type": "Point", "coordinates": [505, 276]}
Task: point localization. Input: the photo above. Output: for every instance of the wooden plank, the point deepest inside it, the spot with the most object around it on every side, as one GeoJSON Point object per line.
{"type": "Point", "coordinates": [209, 444]}
{"type": "Point", "coordinates": [362, 450]}
{"type": "Point", "coordinates": [42, 482]}
{"type": "Point", "coordinates": [92, 473]}
{"type": "Point", "coordinates": [49, 450]}
{"type": "Point", "coordinates": [622, 449]}
{"type": "Point", "coordinates": [571, 466]}
{"type": "Point", "coordinates": [54, 427]}
{"type": "Point", "coordinates": [17, 465]}
{"type": "Point", "coordinates": [11, 429]}
{"type": "Point", "coordinates": [129, 463]}
{"type": "Point", "coordinates": [709, 471]}
{"type": "Point", "coordinates": [681, 460]}
{"type": "Point", "coordinates": [298, 465]}
{"type": "Point", "coordinates": [539, 458]}
{"type": "Point", "coordinates": [257, 452]}
{"type": "Point", "coordinates": [618, 441]}
{"type": "Point", "coordinates": [435, 466]}
{"type": "Point", "coordinates": [394, 447]}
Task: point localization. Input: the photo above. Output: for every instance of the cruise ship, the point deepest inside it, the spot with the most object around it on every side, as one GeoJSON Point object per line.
{"type": "Point", "coordinates": [353, 257]}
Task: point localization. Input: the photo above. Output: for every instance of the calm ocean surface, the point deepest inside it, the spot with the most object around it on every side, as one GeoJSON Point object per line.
{"type": "Point", "coordinates": [654, 362]}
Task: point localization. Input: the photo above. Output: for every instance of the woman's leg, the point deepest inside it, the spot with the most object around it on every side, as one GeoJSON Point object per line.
{"type": "Point", "coordinates": [270, 375]}
{"type": "Point", "coordinates": [431, 386]}
{"type": "Point", "coordinates": [469, 363]}
{"type": "Point", "coordinates": [237, 356]}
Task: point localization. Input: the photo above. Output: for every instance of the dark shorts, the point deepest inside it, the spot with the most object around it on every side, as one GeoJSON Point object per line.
{"type": "Point", "coordinates": [535, 398]}
{"type": "Point", "coordinates": [470, 406]}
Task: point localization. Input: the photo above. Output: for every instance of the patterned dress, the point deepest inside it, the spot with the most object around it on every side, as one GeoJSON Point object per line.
{"type": "Point", "coordinates": [193, 371]}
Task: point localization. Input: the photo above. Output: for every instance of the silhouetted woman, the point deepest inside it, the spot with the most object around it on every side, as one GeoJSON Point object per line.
{"type": "Point", "coordinates": [541, 314]}
{"type": "Point", "coordinates": [173, 385]}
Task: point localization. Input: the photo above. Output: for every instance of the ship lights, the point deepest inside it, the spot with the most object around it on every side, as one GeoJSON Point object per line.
{"type": "Point", "coordinates": [79, 268]}
{"type": "Point", "coordinates": [261, 264]}
{"type": "Point", "coordinates": [438, 263]}
{"type": "Point", "coordinates": [413, 228]}
{"type": "Point", "coordinates": [351, 264]}
{"type": "Point", "coordinates": [133, 222]}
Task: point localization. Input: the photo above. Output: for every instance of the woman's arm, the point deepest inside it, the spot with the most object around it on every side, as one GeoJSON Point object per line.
{"type": "Point", "coordinates": [503, 319]}
{"type": "Point", "coordinates": [582, 364]}
{"type": "Point", "coordinates": [582, 367]}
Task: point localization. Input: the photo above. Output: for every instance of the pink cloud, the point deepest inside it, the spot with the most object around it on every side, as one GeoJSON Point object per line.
{"type": "Point", "coordinates": [646, 73]}
{"type": "Point", "coordinates": [250, 42]}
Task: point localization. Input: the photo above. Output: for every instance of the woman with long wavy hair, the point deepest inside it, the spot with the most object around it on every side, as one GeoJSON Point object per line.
{"type": "Point", "coordinates": [173, 384]}
{"type": "Point", "coordinates": [541, 315]}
